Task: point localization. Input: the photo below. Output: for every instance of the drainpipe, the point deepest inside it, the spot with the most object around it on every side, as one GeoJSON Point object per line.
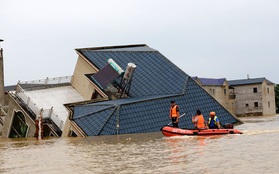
{"type": "Point", "coordinates": [2, 89]}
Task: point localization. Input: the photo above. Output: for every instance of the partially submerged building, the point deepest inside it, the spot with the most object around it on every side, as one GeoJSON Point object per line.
{"type": "Point", "coordinates": [103, 99]}
{"type": "Point", "coordinates": [244, 97]}
{"type": "Point", "coordinates": [30, 99]}
{"type": "Point", "coordinates": [255, 96]}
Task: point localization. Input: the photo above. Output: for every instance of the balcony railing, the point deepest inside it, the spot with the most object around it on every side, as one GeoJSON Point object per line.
{"type": "Point", "coordinates": [47, 81]}
{"type": "Point", "coordinates": [30, 104]}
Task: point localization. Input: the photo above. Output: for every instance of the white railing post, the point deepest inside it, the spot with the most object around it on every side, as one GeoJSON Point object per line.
{"type": "Point", "coordinates": [61, 124]}
{"type": "Point", "coordinates": [55, 80]}
{"type": "Point", "coordinates": [50, 112]}
{"type": "Point", "coordinates": [46, 81]}
{"type": "Point", "coordinates": [28, 100]}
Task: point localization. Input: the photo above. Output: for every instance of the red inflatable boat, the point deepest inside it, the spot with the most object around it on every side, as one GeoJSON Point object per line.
{"type": "Point", "coordinates": [173, 131]}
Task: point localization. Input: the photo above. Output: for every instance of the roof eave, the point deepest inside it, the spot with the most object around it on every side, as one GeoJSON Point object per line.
{"type": "Point", "coordinates": [112, 47]}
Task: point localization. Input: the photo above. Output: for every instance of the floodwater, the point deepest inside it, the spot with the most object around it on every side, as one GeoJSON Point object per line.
{"type": "Point", "coordinates": [255, 151]}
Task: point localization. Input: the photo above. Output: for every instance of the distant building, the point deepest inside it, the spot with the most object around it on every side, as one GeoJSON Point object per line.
{"type": "Point", "coordinates": [102, 99]}
{"type": "Point", "coordinates": [245, 97]}
{"type": "Point", "coordinates": [218, 89]}
{"type": "Point", "coordinates": [254, 96]}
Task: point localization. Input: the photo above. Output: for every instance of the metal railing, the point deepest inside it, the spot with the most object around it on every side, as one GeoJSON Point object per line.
{"type": "Point", "coordinates": [48, 81]}
{"type": "Point", "coordinates": [49, 113]}
{"type": "Point", "coordinates": [46, 113]}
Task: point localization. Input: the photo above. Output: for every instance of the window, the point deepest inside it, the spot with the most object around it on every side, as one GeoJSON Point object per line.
{"type": "Point", "coordinates": [247, 105]}
{"type": "Point", "coordinates": [268, 104]}
{"type": "Point", "coordinates": [225, 91]}
{"type": "Point", "coordinates": [255, 90]}
{"type": "Point", "coordinates": [256, 104]}
{"type": "Point", "coordinates": [212, 91]}
{"type": "Point", "coordinates": [19, 126]}
{"type": "Point", "coordinates": [268, 90]}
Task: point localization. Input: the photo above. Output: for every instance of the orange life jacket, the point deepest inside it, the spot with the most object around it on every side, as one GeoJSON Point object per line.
{"type": "Point", "coordinates": [200, 123]}
{"type": "Point", "coordinates": [173, 111]}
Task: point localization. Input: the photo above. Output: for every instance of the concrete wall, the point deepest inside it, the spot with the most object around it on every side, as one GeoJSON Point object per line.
{"type": "Point", "coordinates": [80, 81]}
{"type": "Point", "coordinates": [220, 93]}
{"type": "Point", "coordinates": [268, 99]}
{"type": "Point", "coordinates": [232, 102]}
{"type": "Point", "coordinates": [246, 99]}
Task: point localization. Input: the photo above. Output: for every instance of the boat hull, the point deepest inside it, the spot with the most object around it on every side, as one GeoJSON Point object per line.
{"type": "Point", "coordinates": [172, 131]}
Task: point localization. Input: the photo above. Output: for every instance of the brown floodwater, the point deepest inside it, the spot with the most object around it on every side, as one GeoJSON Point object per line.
{"type": "Point", "coordinates": [255, 151]}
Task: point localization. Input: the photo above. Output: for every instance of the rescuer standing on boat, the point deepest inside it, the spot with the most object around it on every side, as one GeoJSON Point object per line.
{"type": "Point", "coordinates": [174, 114]}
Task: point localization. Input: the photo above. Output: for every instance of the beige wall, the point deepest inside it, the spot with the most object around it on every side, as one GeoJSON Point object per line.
{"type": "Point", "coordinates": [220, 93]}
{"type": "Point", "coordinates": [232, 105]}
{"type": "Point", "coordinates": [268, 99]}
{"type": "Point", "coordinates": [80, 81]}
{"type": "Point", "coordinates": [14, 107]}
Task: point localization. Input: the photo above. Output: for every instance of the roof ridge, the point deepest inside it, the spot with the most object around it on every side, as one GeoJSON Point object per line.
{"type": "Point", "coordinates": [113, 47]}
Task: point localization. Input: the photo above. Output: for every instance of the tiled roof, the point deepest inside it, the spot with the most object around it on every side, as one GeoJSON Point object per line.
{"type": "Point", "coordinates": [146, 114]}
{"type": "Point", "coordinates": [154, 75]}
{"type": "Point", "coordinates": [136, 47]}
{"type": "Point", "coordinates": [248, 81]}
{"type": "Point", "coordinates": [211, 81]}
{"type": "Point", "coordinates": [155, 83]}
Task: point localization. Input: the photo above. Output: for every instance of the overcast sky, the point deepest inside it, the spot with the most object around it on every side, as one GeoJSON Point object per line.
{"type": "Point", "coordinates": [205, 38]}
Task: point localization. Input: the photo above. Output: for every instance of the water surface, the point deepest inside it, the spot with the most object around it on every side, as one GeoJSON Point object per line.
{"type": "Point", "coordinates": [255, 151]}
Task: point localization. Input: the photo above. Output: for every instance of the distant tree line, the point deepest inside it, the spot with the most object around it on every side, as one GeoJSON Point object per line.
{"type": "Point", "coordinates": [277, 97]}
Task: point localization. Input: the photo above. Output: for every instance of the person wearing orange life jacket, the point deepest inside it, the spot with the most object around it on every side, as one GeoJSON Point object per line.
{"type": "Point", "coordinates": [174, 114]}
{"type": "Point", "coordinates": [198, 121]}
{"type": "Point", "coordinates": [213, 121]}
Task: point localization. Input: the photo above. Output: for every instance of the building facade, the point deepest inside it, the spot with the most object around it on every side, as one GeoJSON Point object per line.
{"type": "Point", "coordinates": [217, 88]}
{"type": "Point", "coordinates": [245, 97]}
{"type": "Point", "coordinates": [254, 96]}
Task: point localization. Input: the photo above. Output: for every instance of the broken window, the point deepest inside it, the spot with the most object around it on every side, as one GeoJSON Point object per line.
{"type": "Point", "coordinates": [255, 90]}
{"type": "Point", "coordinates": [256, 104]}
